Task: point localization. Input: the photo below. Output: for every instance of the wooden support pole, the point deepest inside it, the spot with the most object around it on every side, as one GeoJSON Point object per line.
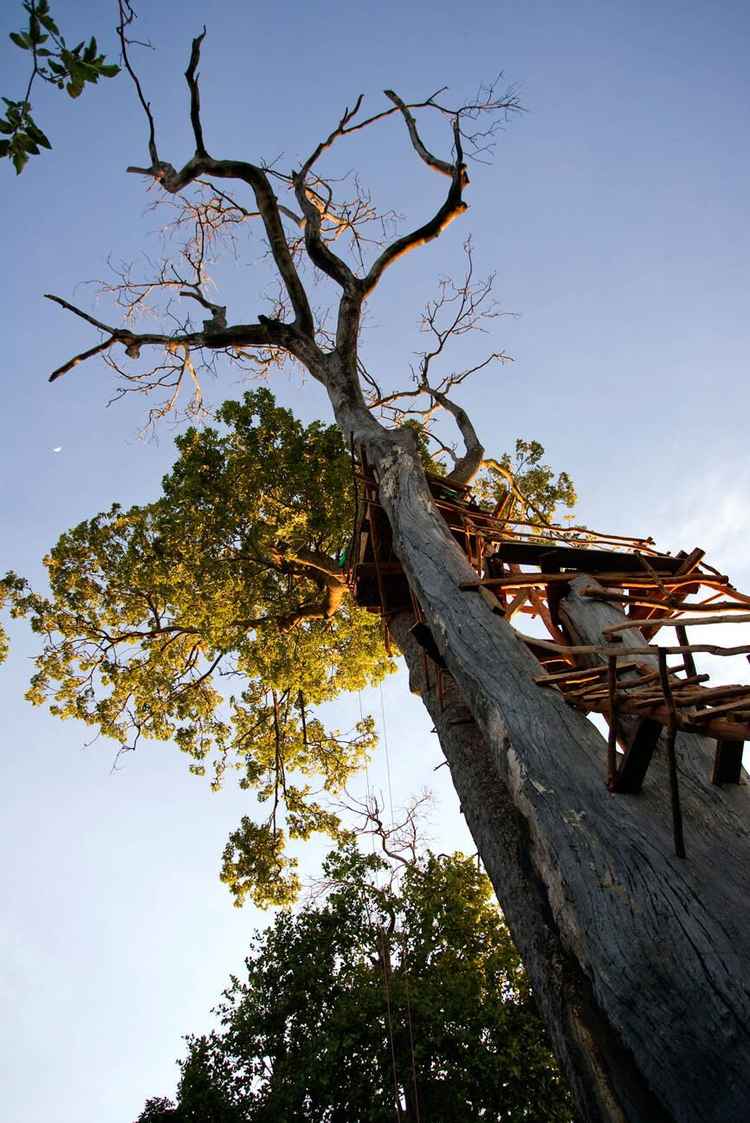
{"type": "Point", "coordinates": [682, 637]}
{"type": "Point", "coordinates": [674, 788]}
{"type": "Point", "coordinates": [612, 738]}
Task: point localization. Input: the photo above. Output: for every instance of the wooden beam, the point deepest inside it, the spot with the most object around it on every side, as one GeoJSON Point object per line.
{"type": "Point", "coordinates": [634, 764]}
{"type": "Point", "coordinates": [633, 581]}
{"type": "Point", "coordinates": [728, 762]}
{"type": "Point", "coordinates": [583, 558]}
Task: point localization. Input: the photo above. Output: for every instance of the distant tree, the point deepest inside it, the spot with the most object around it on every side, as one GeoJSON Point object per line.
{"type": "Point", "coordinates": [392, 999]}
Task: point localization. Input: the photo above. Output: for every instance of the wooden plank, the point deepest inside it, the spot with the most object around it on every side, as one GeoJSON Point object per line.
{"type": "Point", "coordinates": [678, 622]}
{"type": "Point", "coordinates": [604, 649]}
{"type": "Point", "coordinates": [740, 702]}
{"type": "Point", "coordinates": [583, 559]}
{"type": "Point", "coordinates": [581, 674]}
{"type": "Point", "coordinates": [646, 600]}
{"type": "Point", "coordinates": [689, 565]}
{"type": "Point", "coordinates": [634, 765]}
{"type": "Point", "coordinates": [538, 580]}
{"type": "Point", "coordinates": [718, 728]}
{"type": "Point", "coordinates": [728, 762]}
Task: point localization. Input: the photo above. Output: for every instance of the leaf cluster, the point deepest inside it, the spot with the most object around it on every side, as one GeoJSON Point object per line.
{"type": "Point", "coordinates": [204, 618]}
{"type": "Point", "coordinates": [66, 68]}
{"type": "Point", "coordinates": [402, 1000]}
{"type": "Point", "coordinates": [525, 484]}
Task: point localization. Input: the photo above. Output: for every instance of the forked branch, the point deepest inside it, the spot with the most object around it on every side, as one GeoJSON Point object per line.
{"type": "Point", "coordinates": [320, 221]}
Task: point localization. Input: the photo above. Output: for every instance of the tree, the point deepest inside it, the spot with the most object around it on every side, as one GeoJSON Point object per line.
{"type": "Point", "coordinates": [392, 995]}
{"type": "Point", "coordinates": [618, 937]}
{"type": "Point", "coordinates": [236, 573]}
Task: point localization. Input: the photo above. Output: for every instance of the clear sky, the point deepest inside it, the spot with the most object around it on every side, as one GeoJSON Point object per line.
{"type": "Point", "coordinates": [615, 216]}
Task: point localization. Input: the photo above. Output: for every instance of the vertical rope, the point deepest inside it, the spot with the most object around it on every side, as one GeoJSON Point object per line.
{"type": "Point", "coordinates": [387, 753]}
{"type": "Point", "coordinates": [411, 1047]}
{"type": "Point", "coordinates": [386, 988]}
{"type": "Point", "coordinates": [406, 977]}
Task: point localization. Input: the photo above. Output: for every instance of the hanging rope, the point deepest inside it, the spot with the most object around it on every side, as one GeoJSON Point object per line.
{"type": "Point", "coordinates": [387, 753]}
{"type": "Point", "coordinates": [385, 951]}
{"type": "Point", "coordinates": [386, 745]}
{"type": "Point", "coordinates": [411, 1048]}
{"type": "Point", "coordinates": [386, 987]}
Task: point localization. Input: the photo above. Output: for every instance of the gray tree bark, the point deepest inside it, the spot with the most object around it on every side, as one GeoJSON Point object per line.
{"type": "Point", "coordinates": [638, 957]}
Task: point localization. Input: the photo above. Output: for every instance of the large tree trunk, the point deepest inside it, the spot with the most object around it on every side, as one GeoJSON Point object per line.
{"type": "Point", "coordinates": [638, 957]}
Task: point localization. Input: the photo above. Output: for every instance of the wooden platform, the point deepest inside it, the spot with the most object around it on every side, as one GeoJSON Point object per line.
{"type": "Point", "coordinates": [525, 568]}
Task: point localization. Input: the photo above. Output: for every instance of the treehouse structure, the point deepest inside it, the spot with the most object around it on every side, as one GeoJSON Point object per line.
{"type": "Point", "coordinates": [645, 692]}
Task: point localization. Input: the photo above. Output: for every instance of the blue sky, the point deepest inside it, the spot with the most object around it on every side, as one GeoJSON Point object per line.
{"type": "Point", "coordinates": [615, 217]}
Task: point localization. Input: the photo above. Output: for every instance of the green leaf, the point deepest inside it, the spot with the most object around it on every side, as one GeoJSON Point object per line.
{"type": "Point", "coordinates": [75, 89]}
{"type": "Point", "coordinates": [4, 147]}
{"type": "Point", "coordinates": [20, 160]}
{"type": "Point", "coordinates": [49, 24]}
{"type": "Point", "coordinates": [21, 40]}
{"type": "Point", "coordinates": [36, 133]}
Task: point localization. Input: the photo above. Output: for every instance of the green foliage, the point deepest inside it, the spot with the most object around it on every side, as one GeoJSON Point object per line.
{"type": "Point", "coordinates": [52, 61]}
{"type": "Point", "coordinates": [526, 485]}
{"type": "Point", "coordinates": [12, 589]}
{"type": "Point", "coordinates": [218, 617]}
{"type": "Point", "coordinates": [154, 609]}
{"type": "Point", "coordinates": [412, 985]}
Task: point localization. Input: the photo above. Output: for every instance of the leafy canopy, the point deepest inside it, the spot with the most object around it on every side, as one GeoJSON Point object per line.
{"type": "Point", "coordinates": [218, 617]}
{"type": "Point", "coordinates": [387, 1000]}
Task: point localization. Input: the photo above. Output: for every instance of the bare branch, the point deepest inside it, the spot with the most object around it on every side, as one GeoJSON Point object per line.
{"type": "Point", "coordinates": [265, 333]}
{"type": "Point", "coordinates": [79, 312]}
{"type": "Point", "coordinates": [201, 163]}
{"type": "Point", "coordinates": [104, 346]}
{"type": "Point", "coordinates": [127, 16]}
{"type": "Point", "coordinates": [452, 207]}
{"type": "Point", "coordinates": [191, 77]}
{"type": "Point", "coordinates": [470, 463]}
{"type": "Point", "coordinates": [322, 256]}
{"type": "Point", "coordinates": [432, 161]}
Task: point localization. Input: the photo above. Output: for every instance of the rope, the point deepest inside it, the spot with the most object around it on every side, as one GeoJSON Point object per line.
{"type": "Point", "coordinates": [411, 1048]}
{"type": "Point", "coordinates": [387, 753]}
{"type": "Point", "coordinates": [406, 976]}
{"type": "Point", "coordinates": [386, 988]}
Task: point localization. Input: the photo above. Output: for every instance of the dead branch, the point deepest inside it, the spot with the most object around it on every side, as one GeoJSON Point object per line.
{"type": "Point", "coordinates": [191, 77]}
{"type": "Point", "coordinates": [127, 16]}
{"type": "Point", "coordinates": [452, 208]}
